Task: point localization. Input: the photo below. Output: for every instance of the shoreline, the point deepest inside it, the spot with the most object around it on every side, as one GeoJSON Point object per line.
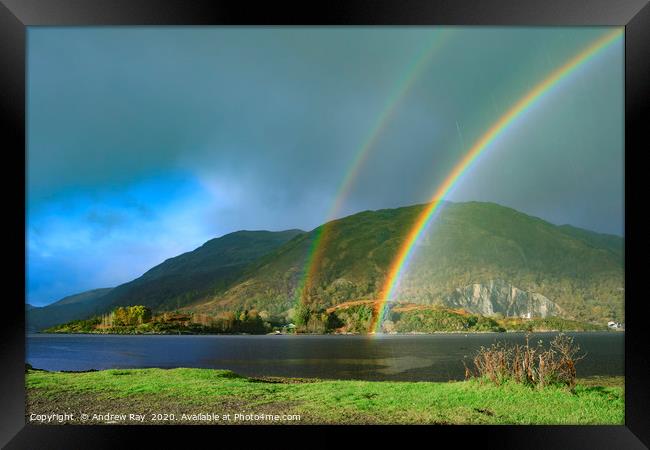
{"type": "Point", "coordinates": [608, 380]}
{"type": "Point", "coordinates": [326, 334]}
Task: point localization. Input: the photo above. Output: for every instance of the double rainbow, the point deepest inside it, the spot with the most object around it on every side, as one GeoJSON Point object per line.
{"type": "Point", "coordinates": [425, 218]}
{"type": "Point", "coordinates": [319, 243]}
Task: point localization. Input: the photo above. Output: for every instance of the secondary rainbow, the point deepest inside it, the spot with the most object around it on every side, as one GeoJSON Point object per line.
{"type": "Point", "coordinates": [523, 104]}
{"type": "Point", "coordinates": [399, 93]}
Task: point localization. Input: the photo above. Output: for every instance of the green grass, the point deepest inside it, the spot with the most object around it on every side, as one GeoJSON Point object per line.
{"type": "Point", "coordinates": [192, 391]}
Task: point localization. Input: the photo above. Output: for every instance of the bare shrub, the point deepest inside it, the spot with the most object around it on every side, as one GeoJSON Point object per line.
{"type": "Point", "coordinates": [528, 364]}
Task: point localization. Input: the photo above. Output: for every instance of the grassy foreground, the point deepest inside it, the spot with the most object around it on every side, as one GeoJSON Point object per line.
{"type": "Point", "coordinates": [178, 394]}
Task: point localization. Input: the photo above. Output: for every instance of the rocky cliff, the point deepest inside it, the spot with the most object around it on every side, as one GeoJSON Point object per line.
{"type": "Point", "coordinates": [498, 296]}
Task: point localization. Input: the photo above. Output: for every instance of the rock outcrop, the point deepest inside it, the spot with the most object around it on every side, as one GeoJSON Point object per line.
{"type": "Point", "coordinates": [498, 296]}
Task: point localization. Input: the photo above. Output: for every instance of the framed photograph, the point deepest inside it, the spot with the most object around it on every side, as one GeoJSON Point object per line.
{"type": "Point", "coordinates": [370, 213]}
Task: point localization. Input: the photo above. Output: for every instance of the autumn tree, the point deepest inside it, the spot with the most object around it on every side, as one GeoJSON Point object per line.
{"type": "Point", "coordinates": [131, 315]}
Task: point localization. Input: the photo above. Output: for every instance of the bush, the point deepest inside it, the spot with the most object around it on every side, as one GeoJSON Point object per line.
{"type": "Point", "coordinates": [356, 319]}
{"type": "Point", "coordinates": [441, 319]}
{"type": "Point", "coordinates": [526, 364]}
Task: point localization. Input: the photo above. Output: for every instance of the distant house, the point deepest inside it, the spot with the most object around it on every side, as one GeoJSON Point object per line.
{"type": "Point", "coordinates": [526, 316]}
{"type": "Point", "coordinates": [613, 325]}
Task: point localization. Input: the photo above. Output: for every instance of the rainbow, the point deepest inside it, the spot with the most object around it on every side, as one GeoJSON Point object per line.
{"type": "Point", "coordinates": [318, 244]}
{"type": "Point", "coordinates": [424, 219]}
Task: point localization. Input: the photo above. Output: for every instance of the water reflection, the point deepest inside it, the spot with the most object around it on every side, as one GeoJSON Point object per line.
{"type": "Point", "coordinates": [419, 357]}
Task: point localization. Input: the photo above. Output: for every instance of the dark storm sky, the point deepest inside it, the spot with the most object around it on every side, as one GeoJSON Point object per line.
{"type": "Point", "coordinates": [146, 142]}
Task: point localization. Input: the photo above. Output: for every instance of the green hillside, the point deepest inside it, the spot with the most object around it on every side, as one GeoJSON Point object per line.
{"type": "Point", "coordinates": [467, 243]}
{"type": "Point", "coordinates": [469, 247]}
{"type": "Point", "coordinates": [175, 283]}
{"type": "Point", "coordinates": [357, 252]}
{"type": "Point", "coordinates": [68, 308]}
{"type": "Point", "coordinates": [474, 242]}
{"type": "Point", "coordinates": [192, 276]}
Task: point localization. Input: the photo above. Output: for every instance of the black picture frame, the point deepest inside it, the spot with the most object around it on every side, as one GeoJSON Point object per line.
{"type": "Point", "coordinates": [16, 15]}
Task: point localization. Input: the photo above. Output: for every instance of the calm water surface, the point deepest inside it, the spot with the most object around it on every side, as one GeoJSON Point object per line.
{"type": "Point", "coordinates": [410, 357]}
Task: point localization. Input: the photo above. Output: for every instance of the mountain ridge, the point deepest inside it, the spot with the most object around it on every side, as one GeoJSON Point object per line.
{"type": "Point", "coordinates": [165, 282]}
{"type": "Point", "coordinates": [469, 243]}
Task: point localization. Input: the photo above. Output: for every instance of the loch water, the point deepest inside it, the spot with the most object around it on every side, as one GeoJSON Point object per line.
{"type": "Point", "coordinates": [436, 357]}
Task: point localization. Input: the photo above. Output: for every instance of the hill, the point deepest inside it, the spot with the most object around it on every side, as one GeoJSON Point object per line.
{"type": "Point", "coordinates": [483, 258]}
{"type": "Point", "coordinates": [470, 247]}
{"type": "Point", "coordinates": [192, 276]}
{"type": "Point", "coordinates": [68, 308]}
{"type": "Point", "coordinates": [174, 283]}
